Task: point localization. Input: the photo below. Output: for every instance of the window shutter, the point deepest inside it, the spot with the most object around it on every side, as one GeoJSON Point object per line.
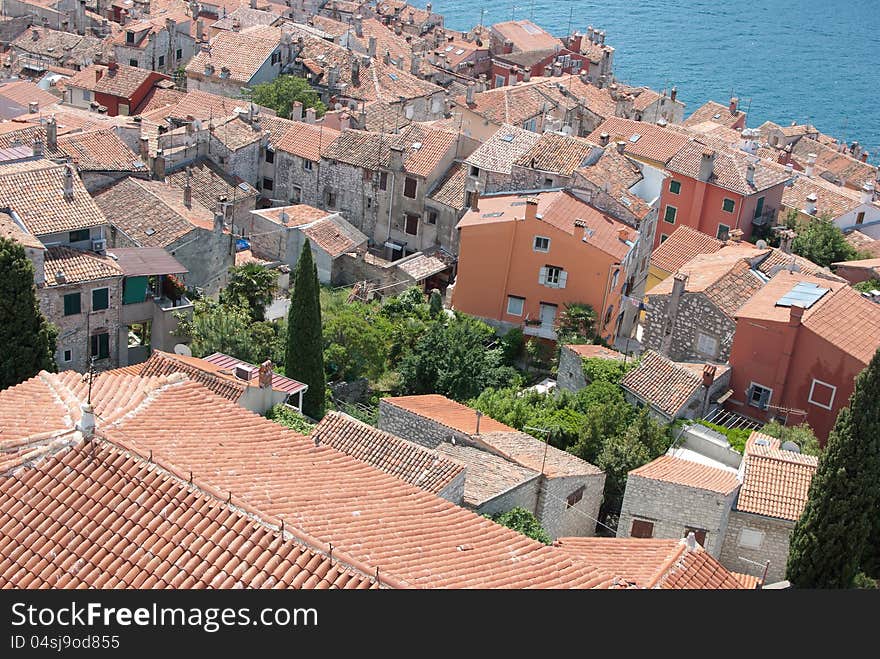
{"type": "Point", "coordinates": [749, 393]}
{"type": "Point", "coordinates": [542, 276]}
{"type": "Point", "coordinates": [765, 398]}
{"type": "Point", "coordinates": [563, 276]}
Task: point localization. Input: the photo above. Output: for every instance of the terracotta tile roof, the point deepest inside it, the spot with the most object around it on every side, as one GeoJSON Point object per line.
{"type": "Point", "coordinates": [66, 48]}
{"type": "Point", "coordinates": [837, 167]}
{"type": "Point", "coordinates": [246, 17]}
{"type": "Point", "coordinates": [151, 213]}
{"type": "Point", "coordinates": [427, 263]}
{"type": "Point", "coordinates": [589, 351]}
{"type": "Point", "coordinates": [305, 140]}
{"type": "Point", "coordinates": [689, 474]}
{"type": "Point", "coordinates": [848, 321]}
{"type": "Point", "coordinates": [762, 306]}
{"type": "Point", "coordinates": [243, 53]}
{"type": "Point", "coordinates": [16, 97]}
{"type": "Point", "coordinates": [199, 370]}
{"type": "Point", "coordinates": [863, 243]}
{"type": "Point", "coordinates": [410, 462]}
{"type": "Point", "coordinates": [450, 189]}
{"type": "Point", "coordinates": [100, 517]}
{"type": "Point", "coordinates": [35, 191]}
{"type": "Point", "coordinates": [9, 229]}
{"type": "Point", "coordinates": [861, 264]}
{"type": "Point", "coordinates": [683, 245]}
{"type": "Point", "coordinates": [560, 209]}
{"type": "Point", "coordinates": [335, 236]}
{"type": "Point", "coordinates": [643, 96]}
{"type": "Point", "coordinates": [234, 132]}
{"type": "Point", "coordinates": [777, 260]}
{"type": "Point", "coordinates": [652, 562]}
{"type": "Point", "coordinates": [526, 36]}
{"type": "Point", "coordinates": [553, 152]}
{"type": "Point", "coordinates": [655, 143]}
{"type": "Point", "coordinates": [612, 169]}
{"type": "Point", "coordinates": [225, 366]}
{"type": "Point", "coordinates": [447, 412]}
{"type": "Point", "coordinates": [729, 170]}
{"type": "Point", "coordinates": [775, 482]}
{"type": "Point", "coordinates": [197, 104]}
{"type": "Point", "coordinates": [125, 82]}
{"type": "Point", "coordinates": [831, 199]}
{"type": "Point", "coordinates": [384, 117]}
{"type": "Point", "coordinates": [503, 149]}
{"type": "Point", "coordinates": [507, 105]}
{"type": "Point", "coordinates": [488, 475]}
{"type": "Point", "coordinates": [747, 581]}
{"type": "Point", "coordinates": [712, 111]}
{"type": "Point", "coordinates": [77, 266]}
{"type": "Point", "coordinates": [159, 97]}
{"type": "Point", "coordinates": [149, 25]}
{"type": "Point", "coordinates": [208, 181]}
{"type": "Point", "coordinates": [665, 384]}
{"type": "Point", "coordinates": [100, 150]}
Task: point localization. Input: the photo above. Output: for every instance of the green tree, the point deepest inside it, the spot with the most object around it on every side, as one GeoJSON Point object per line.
{"type": "Point", "coordinates": [304, 360]}
{"type": "Point", "coordinates": [524, 521]}
{"type": "Point", "coordinates": [290, 418]}
{"type": "Point", "coordinates": [822, 242]}
{"type": "Point", "coordinates": [608, 370]}
{"type": "Point", "coordinates": [254, 285]}
{"type": "Point", "coordinates": [513, 344]}
{"type": "Point", "coordinates": [27, 339]}
{"type": "Point", "coordinates": [435, 303]}
{"type": "Point", "coordinates": [830, 541]}
{"type": "Point", "coordinates": [281, 93]}
{"type": "Point", "coordinates": [802, 435]}
{"type": "Point", "coordinates": [577, 324]}
{"type": "Point", "coordinates": [355, 342]}
{"type": "Point", "coordinates": [868, 286]}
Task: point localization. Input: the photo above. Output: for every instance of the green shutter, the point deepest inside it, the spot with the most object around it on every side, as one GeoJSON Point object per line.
{"type": "Point", "coordinates": [134, 290]}
{"type": "Point", "coordinates": [669, 216]}
{"type": "Point", "coordinates": [760, 207]}
{"type": "Point", "coordinates": [71, 304]}
{"type": "Point", "coordinates": [100, 299]}
{"type": "Point", "coordinates": [101, 346]}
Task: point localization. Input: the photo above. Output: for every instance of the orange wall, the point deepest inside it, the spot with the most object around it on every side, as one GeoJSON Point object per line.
{"type": "Point", "coordinates": [484, 279]}
{"type": "Point", "coordinates": [756, 356]}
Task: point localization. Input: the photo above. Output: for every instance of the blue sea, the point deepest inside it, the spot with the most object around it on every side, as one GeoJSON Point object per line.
{"type": "Point", "coordinates": [815, 61]}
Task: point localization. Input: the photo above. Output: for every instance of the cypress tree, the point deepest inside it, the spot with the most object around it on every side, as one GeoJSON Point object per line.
{"type": "Point", "coordinates": [829, 540]}
{"type": "Point", "coordinates": [27, 339]}
{"type": "Point", "coordinates": [304, 358]}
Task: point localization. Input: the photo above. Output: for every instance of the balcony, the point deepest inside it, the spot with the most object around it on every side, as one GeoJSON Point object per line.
{"type": "Point", "coordinates": [766, 218]}
{"type": "Point", "coordinates": [140, 312]}
{"type": "Point", "coordinates": [541, 331]}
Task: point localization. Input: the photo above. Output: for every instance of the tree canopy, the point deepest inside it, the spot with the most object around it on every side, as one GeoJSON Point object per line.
{"type": "Point", "coordinates": [280, 94]}
{"type": "Point", "coordinates": [524, 521]}
{"type": "Point", "coordinates": [822, 242]}
{"type": "Point", "coordinates": [251, 285]}
{"type": "Point", "coordinates": [304, 359]}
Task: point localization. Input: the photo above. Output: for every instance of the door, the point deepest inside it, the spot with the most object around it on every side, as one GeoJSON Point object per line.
{"type": "Point", "coordinates": [548, 315]}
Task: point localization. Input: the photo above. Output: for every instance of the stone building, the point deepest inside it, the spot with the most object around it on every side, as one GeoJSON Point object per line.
{"type": "Point", "coordinates": [490, 167]}
{"type": "Point", "coordinates": [570, 375]}
{"type": "Point", "coordinates": [292, 162]}
{"type": "Point", "coordinates": [162, 43]}
{"type": "Point", "coordinates": [505, 468]}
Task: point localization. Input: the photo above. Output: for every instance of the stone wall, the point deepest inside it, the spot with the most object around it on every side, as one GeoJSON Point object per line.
{"type": "Point", "coordinates": [354, 194]}
{"type": "Point", "coordinates": [695, 313]}
{"type": "Point", "coordinates": [561, 520]}
{"type": "Point", "coordinates": [570, 375]}
{"type": "Point", "coordinates": [207, 255]}
{"type": "Point", "coordinates": [525, 495]}
{"type": "Point", "coordinates": [293, 183]}
{"type": "Point", "coordinates": [416, 428]}
{"type": "Point", "coordinates": [454, 491]}
{"type": "Point", "coordinates": [350, 392]}
{"type": "Point", "coordinates": [672, 508]}
{"type": "Point", "coordinates": [774, 546]}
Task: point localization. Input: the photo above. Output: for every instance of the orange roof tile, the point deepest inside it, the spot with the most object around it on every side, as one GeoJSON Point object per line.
{"type": "Point", "coordinates": [848, 321]}
{"type": "Point", "coordinates": [589, 350]}
{"type": "Point", "coordinates": [205, 373]}
{"type": "Point", "coordinates": [683, 245]}
{"type": "Point", "coordinates": [450, 189]}
{"type": "Point", "coordinates": [526, 36]}
{"type": "Point", "coordinates": [503, 149]}
{"type": "Point", "coordinates": [448, 413]}
{"type": "Point", "coordinates": [712, 111]}
{"type": "Point", "coordinates": [690, 474]}
{"type": "Point", "coordinates": [729, 169]}
{"type": "Point", "coordinates": [16, 97]}
{"type": "Point", "coordinates": [124, 82]}
{"type": "Point", "coordinates": [305, 140]}
{"type": "Point", "coordinates": [775, 482]}
{"type": "Point", "coordinates": [100, 150]}
{"type": "Point", "coordinates": [653, 143]}
{"type": "Point", "coordinates": [77, 266]}
{"type": "Point", "coordinates": [243, 53]}
{"type": "Point", "coordinates": [561, 154]}
{"type": "Point", "coordinates": [10, 229]}
{"type": "Point", "coordinates": [831, 199]}
{"type": "Point", "coordinates": [334, 235]}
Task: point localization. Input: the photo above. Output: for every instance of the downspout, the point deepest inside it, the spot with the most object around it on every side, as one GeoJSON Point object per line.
{"type": "Point", "coordinates": [605, 297]}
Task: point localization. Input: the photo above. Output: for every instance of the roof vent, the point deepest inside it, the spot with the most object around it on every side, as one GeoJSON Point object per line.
{"type": "Point", "coordinates": [761, 441]}
{"type": "Point", "coordinates": [244, 372]}
{"type": "Point", "coordinates": [60, 277]}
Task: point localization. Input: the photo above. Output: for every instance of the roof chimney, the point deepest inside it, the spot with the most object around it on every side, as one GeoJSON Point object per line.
{"type": "Point", "coordinates": [867, 192]}
{"type": "Point", "coordinates": [395, 158]}
{"type": "Point", "coordinates": [531, 208]}
{"type": "Point", "coordinates": [735, 235]}
{"type": "Point", "coordinates": [86, 423]}
{"type": "Point", "coordinates": [604, 139]}
{"type": "Point", "coordinates": [734, 102]}
{"type": "Point", "coordinates": [33, 106]}
{"type": "Point", "coordinates": [470, 93]}
{"type": "Point", "coordinates": [812, 199]}
{"type": "Point", "coordinates": [187, 191]}
{"type": "Point", "coordinates": [691, 541]}
{"type": "Point", "coordinates": [709, 371]}
{"type": "Point", "coordinates": [310, 115]}
{"type": "Point", "coordinates": [707, 164]}
{"type": "Point", "coordinates": [219, 218]}
{"type": "Point", "coordinates": [38, 148]}
{"type": "Point", "coordinates": [475, 199]}
{"type": "Point", "coordinates": [621, 146]}
{"type": "Point", "coordinates": [68, 182]}
{"type": "Point", "coordinates": [371, 47]}
{"type": "Point", "coordinates": [359, 26]}
{"type": "Point", "coordinates": [479, 415]}
{"type": "Point", "coordinates": [864, 157]}
{"type": "Point", "coordinates": [811, 162]}
{"type": "Point", "coordinates": [750, 173]}
{"type": "Point", "coordinates": [786, 237]}
{"type": "Point", "coordinates": [795, 315]}
{"type": "Point", "coordinates": [673, 94]}
{"type": "Point", "coordinates": [623, 234]}
{"type": "Point", "coordinates": [51, 134]}
{"type": "Point", "coordinates": [355, 71]}
{"type": "Point", "coordinates": [265, 375]}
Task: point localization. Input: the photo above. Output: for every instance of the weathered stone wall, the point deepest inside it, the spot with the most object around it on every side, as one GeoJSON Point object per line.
{"type": "Point", "coordinates": [673, 507]}
{"type": "Point", "coordinates": [207, 255]}
{"type": "Point", "coordinates": [570, 375]}
{"type": "Point", "coordinates": [561, 520]}
{"type": "Point", "coordinates": [293, 183]}
{"type": "Point", "coordinates": [524, 495]}
{"type": "Point", "coordinates": [695, 313]}
{"type": "Point", "coordinates": [774, 547]}
{"type": "Point", "coordinates": [416, 428]}
{"type": "Point", "coordinates": [355, 194]}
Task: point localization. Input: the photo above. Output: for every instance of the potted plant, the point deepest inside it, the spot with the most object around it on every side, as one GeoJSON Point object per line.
{"type": "Point", "coordinates": [173, 289]}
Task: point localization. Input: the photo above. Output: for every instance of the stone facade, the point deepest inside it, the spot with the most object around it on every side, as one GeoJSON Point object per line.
{"type": "Point", "coordinates": [350, 190]}
{"type": "Point", "coordinates": [292, 182]}
{"type": "Point", "coordinates": [525, 495]}
{"type": "Point", "coordinates": [696, 312]}
{"type": "Point", "coordinates": [559, 518]}
{"type": "Point", "coordinates": [570, 375]}
{"type": "Point", "coordinates": [674, 508]}
{"type": "Point", "coordinates": [454, 491]}
{"type": "Point", "coordinates": [773, 546]}
{"type": "Point", "coordinates": [163, 50]}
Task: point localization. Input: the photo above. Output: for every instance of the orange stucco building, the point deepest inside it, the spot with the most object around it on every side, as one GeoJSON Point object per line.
{"type": "Point", "coordinates": [522, 258]}
{"type": "Point", "coordinates": [799, 344]}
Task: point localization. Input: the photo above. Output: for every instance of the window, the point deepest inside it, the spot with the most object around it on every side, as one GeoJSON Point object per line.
{"type": "Point", "coordinates": [475, 171]}
{"type": "Point", "coordinates": [699, 534]}
{"type": "Point", "coordinates": [751, 538]}
{"type": "Point", "coordinates": [331, 199]}
{"type": "Point", "coordinates": [296, 195]}
{"type": "Point", "coordinates": [68, 356]}
{"type": "Point", "coordinates": [728, 205]}
{"type": "Point", "coordinates": [707, 345]}
{"type": "Point", "coordinates": [101, 345]}
{"type": "Point", "coordinates": [663, 238]}
{"type": "Point", "coordinates": [531, 124]}
{"type": "Point", "coordinates": [823, 394]}
{"type": "Point", "coordinates": [411, 225]}
{"type": "Point", "coordinates": [161, 60]}
{"type": "Point", "coordinates": [307, 165]}
{"type": "Point", "coordinates": [100, 299]}
{"type": "Point", "coordinates": [270, 156]}
{"type": "Point", "coordinates": [132, 62]}
{"type": "Point", "coordinates": [675, 187]}
{"type": "Point", "coordinates": [552, 276]}
{"type": "Point", "coordinates": [122, 109]}
{"type": "Point", "coordinates": [548, 182]}
{"type": "Point", "coordinates": [758, 396]}
{"type": "Point", "coordinates": [669, 215]}
{"type": "Point", "coordinates": [383, 181]}
{"type": "Point", "coordinates": [860, 217]}
{"type": "Point", "coordinates": [179, 53]}
{"type": "Point", "coordinates": [574, 497]}
{"type": "Point", "coordinates": [129, 37]}
{"type": "Point", "coordinates": [723, 232]}
{"type": "Point", "coordinates": [276, 57]}
{"type": "Point", "coordinates": [87, 95]}
{"type": "Point", "coordinates": [78, 236]}
{"type": "Point", "coordinates": [615, 279]}
{"type": "Point", "coordinates": [409, 188]}
{"type": "Point", "coordinates": [759, 207]}
{"type": "Point", "coordinates": [500, 80]}
{"type": "Point", "coordinates": [268, 184]}
{"type": "Point", "coordinates": [468, 198]}
{"type": "Point", "coordinates": [71, 304]}
{"type": "Point", "coordinates": [642, 529]}
{"type": "Point", "coordinates": [515, 305]}
{"type": "Point", "coordinates": [542, 244]}
{"type": "Point", "coordinates": [432, 217]}
{"type": "Point", "coordinates": [608, 314]}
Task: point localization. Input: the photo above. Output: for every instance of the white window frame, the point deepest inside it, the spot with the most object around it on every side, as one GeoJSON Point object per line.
{"type": "Point", "coordinates": [531, 124]}
{"type": "Point", "coordinates": [308, 165]}
{"type": "Point", "coordinates": [559, 281]}
{"type": "Point", "coordinates": [500, 81]}
{"type": "Point", "coordinates": [522, 305]}
{"type": "Point", "coordinates": [716, 342]}
{"type": "Point", "coordinates": [751, 545]}
{"type": "Point", "coordinates": [723, 210]}
{"type": "Point", "coordinates": [833, 394]}
{"type": "Point", "coordinates": [758, 384]}
{"type": "Point", "coordinates": [718, 231]}
{"type": "Point", "coordinates": [535, 244]}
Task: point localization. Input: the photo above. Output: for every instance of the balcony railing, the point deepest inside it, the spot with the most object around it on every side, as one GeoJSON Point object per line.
{"type": "Point", "coordinates": [542, 331]}
{"type": "Point", "coordinates": [767, 217]}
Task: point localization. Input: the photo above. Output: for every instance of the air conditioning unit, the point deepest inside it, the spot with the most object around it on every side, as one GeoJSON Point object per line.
{"type": "Point", "coordinates": [99, 245]}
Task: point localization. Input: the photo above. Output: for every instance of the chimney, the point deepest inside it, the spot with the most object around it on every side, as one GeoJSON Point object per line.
{"type": "Point", "coordinates": [253, 4]}
{"type": "Point", "coordinates": [296, 111]}
{"type": "Point", "coordinates": [356, 71]}
{"type": "Point", "coordinates": [265, 375]}
{"type": "Point", "coordinates": [603, 139]}
{"type": "Point", "coordinates": [602, 38]}
{"type": "Point", "coordinates": [786, 237]}
{"type": "Point", "coordinates": [398, 30]}
{"type": "Point", "coordinates": [415, 64]}
{"type": "Point", "coordinates": [39, 149]}
{"type": "Point", "coordinates": [475, 197]}
{"type": "Point", "coordinates": [691, 541]}
{"type": "Point", "coordinates": [333, 76]}
{"type": "Point", "coordinates": [86, 423]}
{"type": "Point", "coordinates": [219, 218]}
{"type": "Point", "coordinates": [811, 163]}
{"type": "Point", "coordinates": [35, 34]}
{"type": "Point", "coordinates": [532, 208]}
{"type": "Point", "coordinates": [33, 107]}
{"type": "Point", "coordinates": [479, 416]}
{"type": "Point", "coordinates": [187, 191]}
{"type": "Point", "coordinates": [709, 374]}
{"type": "Point", "coordinates": [673, 94]}
{"type": "Point", "coordinates": [469, 97]}
{"type": "Point", "coordinates": [159, 166]}
{"type": "Point", "coordinates": [795, 315]}
{"type": "Point", "coordinates": [310, 115]}
{"type": "Point", "coordinates": [68, 182]}
{"type": "Point", "coordinates": [590, 33]}
{"type": "Point", "coordinates": [707, 164]}
{"type": "Point", "coordinates": [359, 26]}
{"type": "Point", "coordinates": [344, 121]}
{"type": "Point", "coordinates": [396, 158]}
{"type": "Point", "coordinates": [864, 157]}
{"type": "Point", "coordinates": [386, 57]}
{"type": "Point", "coordinates": [811, 204]}
{"type": "Point", "coordinates": [750, 173]}
{"type": "Point", "coordinates": [527, 75]}
{"type": "Point", "coordinates": [200, 30]}
{"type": "Point", "coordinates": [98, 73]}
{"type": "Point", "coordinates": [734, 102]}
{"type": "Point", "coordinates": [371, 47]}
{"type": "Point", "coordinates": [620, 145]}
{"type": "Point", "coordinates": [867, 193]}
{"type": "Point", "coordinates": [623, 234]}
{"type": "Point", "coordinates": [735, 236]}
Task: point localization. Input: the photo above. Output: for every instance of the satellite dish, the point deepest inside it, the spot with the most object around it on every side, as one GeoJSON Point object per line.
{"type": "Point", "coordinates": [791, 446]}
{"type": "Point", "coordinates": [761, 244]}
{"type": "Point", "coordinates": [182, 349]}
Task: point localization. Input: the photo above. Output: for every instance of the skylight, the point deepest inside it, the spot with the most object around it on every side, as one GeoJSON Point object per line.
{"type": "Point", "coordinates": [634, 137]}
{"type": "Point", "coordinates": [460, 51]}
{"type": "Point", "coordinates": [804, 294]}
{"type": "Point", "coordinates": [506, 138]}
{"type": "Point", "coordinates": [393, 76]}
{"type": "Point", "coordinates": [499, 214]}
{"type": "Point", "coordinates": [716, 116]}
